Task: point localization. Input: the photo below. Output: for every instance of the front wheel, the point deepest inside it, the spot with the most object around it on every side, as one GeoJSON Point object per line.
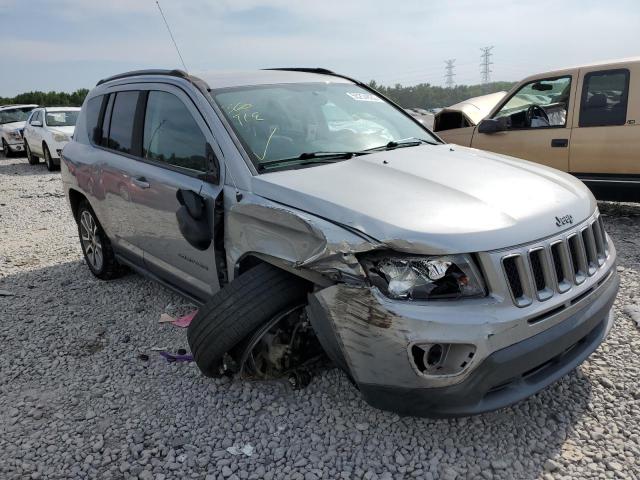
{"type": "Point", "coordinates": [48, 160]}
{"type": "Point", "coordinates": [5, 149]}
{"type": "Point", "coordinates": [244, 305]}
{"type": "Point", "coordinates": [96, 247]}
{"type": "Point", "coordinates": [33, 160]}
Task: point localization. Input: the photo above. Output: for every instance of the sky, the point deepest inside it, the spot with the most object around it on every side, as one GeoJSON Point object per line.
{"type": "Point", "coordinates": [70, 44]}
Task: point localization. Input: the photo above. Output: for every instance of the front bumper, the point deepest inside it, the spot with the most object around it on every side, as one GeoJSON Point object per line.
{"type": "Point", "coordinates": [369, 341]}
{"type": "Point", "coordinates": [16, 147]}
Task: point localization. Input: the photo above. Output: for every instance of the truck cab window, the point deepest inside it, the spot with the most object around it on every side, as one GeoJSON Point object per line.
{"type": "Point", "coordinates": [538, 104]}
{"type": "Point", "coordinates": [604, 98]}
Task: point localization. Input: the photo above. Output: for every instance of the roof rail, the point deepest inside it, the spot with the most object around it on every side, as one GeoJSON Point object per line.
{"type": "Point", "coordinates": [137, 73]}
{"type": "Point", "coordinates": [319, 70]}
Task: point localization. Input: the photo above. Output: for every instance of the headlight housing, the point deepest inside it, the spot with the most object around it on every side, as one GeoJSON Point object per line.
{"type": "Point", "coordinates": [61, 137]}
{"type": "Point", "coordinates": [15, 135]}
{"type": "Point", "coordinates": [404, 277]}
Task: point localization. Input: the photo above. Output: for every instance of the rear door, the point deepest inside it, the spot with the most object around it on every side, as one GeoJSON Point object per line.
{"type": "Point", "coordinates": [538, 118]}
{"type": "Point", "coordinates": [606, 136]}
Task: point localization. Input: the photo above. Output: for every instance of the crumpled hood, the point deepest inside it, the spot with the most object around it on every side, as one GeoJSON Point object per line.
{"type": "Point", "coordinates": [66, 130]}
{"type": "Point", "coordinates": [7, 127]}
{"type": "Point", "coordinates": [435, 199]}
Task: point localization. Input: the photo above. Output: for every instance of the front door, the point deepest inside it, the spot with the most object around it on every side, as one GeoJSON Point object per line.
{"type": "Point", "coordinates": [537, 121]}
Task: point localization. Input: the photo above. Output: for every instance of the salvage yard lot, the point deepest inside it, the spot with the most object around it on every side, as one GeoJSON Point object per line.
{"type": "Point", "coordinates": [77, 401]}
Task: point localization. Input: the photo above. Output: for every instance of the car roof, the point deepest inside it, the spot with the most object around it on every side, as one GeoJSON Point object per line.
{"type": "Point", "coordinates": [219, 79]}
{"type": "Point", "coordinates": [615, 63]}
{"type": "Point", "coordinates": [9, 107]}
{"type": "Point", "coordinates": [64, 109]}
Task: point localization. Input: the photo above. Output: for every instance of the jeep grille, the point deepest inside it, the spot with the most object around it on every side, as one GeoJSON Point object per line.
{"type": "Point", "coordinates": [555, 267]}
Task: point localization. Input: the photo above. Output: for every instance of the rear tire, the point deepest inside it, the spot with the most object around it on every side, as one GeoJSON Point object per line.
{"type": "Point", "coordinates": [96, 247]}
{"type": "Point", "coordinates": [33, 160]}
{"type": "Point", "coordinates": [242, 306]}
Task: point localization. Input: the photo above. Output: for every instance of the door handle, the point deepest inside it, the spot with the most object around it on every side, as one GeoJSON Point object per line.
{"type": "Point", "coordinates": [560, 142]}
{"type": "Point", "coordinates": [140, 182]}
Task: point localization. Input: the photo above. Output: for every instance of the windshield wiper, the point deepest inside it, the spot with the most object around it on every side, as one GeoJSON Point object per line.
{"type": "Point", "coordinates": [308, 158]}
{"type": "Point", "coordinates": [405, 142]}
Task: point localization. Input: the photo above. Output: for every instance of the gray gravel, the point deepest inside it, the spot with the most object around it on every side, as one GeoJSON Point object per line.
{"type": "Point", "coordinates": [77, 402]}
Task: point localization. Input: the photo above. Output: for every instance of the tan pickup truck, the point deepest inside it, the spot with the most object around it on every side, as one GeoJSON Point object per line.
{"type": "Point", "coordinates": [583, 120]}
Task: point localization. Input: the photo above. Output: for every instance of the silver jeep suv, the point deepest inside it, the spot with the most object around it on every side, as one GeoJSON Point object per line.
{"type": "Point", "coordinates": [304, 212]}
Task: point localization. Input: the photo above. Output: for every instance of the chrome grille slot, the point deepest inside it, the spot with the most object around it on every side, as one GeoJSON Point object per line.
{"type": "Point", "coordinates": [578, 259]}
{"type": "Point", "coordinates": [590, 250]}
{"type": "Point", "coordinates": [555, 266]}
{"type": "Point", "coordinates": [513, 276]}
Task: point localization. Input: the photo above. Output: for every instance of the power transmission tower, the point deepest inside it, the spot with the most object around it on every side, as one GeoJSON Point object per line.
{"type": "Point", "coordinates": [449, 72]}
{"type": "Point", "coordinates": [485, 66]}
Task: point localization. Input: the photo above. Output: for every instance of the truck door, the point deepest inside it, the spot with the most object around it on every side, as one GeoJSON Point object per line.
{"type": "Point", "coordinates": [535, 123]}
{"type": "Point", "coordinates": [605, 142]}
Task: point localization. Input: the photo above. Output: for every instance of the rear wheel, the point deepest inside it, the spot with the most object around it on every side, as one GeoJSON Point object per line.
{"type": "Point", "coordinates": [96, 246]}
{"type": "Point", "coordinates": [240, 308]}
{"type": "Point", "coordinates": [47, 158]}
{"type": "Point", "coordinates": [33, 160]}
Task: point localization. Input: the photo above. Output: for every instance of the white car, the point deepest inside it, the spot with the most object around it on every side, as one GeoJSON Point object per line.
{"type": "Point", "coordinates": [12, 120]}
{"type": "Point", "coordinates": [47, 131]}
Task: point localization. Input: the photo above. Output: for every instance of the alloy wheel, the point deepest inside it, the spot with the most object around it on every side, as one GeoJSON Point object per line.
{"type": "Point", "coordinates": [90, 239]}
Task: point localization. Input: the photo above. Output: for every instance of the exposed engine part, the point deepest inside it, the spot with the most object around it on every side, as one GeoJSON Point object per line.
{"type": "Point", "coordinates": [285, 347]}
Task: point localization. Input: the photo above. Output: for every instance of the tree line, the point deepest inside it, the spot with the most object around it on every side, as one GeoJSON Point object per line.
{"type": "Point", "coordinates": [48, 99]}
{"type": "Point", "coordinates": [423, 95]}
{"type": "Point", "coordinates": [428, 96]}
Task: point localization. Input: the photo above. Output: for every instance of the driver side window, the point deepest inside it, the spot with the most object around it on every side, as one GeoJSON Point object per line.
{"type": "Point", "coordinates": [538, 104]}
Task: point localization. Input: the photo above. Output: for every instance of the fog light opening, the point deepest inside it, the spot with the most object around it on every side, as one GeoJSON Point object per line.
{"type": "Point", "coordinates": [433, 356]}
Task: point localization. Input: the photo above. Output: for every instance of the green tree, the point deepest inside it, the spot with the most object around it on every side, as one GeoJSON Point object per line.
{"type": "Point", "coordinates": [428, 96]}
{"type": "Point", "coordinates": [48, 99]}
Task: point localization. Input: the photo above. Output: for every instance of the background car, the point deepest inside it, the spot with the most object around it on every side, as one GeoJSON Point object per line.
{"type": "Point", "coordinates": [12, 121]}
{"type": "Point", "coordinates": [47, 131]}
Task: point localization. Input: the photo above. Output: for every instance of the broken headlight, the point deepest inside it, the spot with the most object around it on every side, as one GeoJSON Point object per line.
{"type": "Point", "coordinates": [424, 278]}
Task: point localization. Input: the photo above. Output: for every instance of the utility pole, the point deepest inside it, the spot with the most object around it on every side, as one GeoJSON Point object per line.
{"type": "Point", "coordinates": [485, 66]}
{"type": "Point", "coordinates": [449, 72]}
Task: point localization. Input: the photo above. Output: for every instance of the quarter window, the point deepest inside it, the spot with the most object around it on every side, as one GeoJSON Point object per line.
{"type": "Point", "coordinates": [538, 104]}
{"type": "Point", "coordinates": [604, 98]}
{"type": "Point", "coordinates": [122, 118]}
{"type": "Point", "coordinates": [94, 106]}
{"type": "Point", "coordinates": [171, 134]}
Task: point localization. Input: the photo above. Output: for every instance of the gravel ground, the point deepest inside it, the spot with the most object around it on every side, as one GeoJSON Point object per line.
{"type": "Point", "coordinates": [77, 402]}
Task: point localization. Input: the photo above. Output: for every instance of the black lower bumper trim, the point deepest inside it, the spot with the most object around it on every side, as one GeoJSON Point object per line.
{"type": "Point", "coordinates": [511, 374]}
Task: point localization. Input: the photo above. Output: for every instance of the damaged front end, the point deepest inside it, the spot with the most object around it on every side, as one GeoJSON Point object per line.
{"type": "Point", "coordinates": [419, 334]}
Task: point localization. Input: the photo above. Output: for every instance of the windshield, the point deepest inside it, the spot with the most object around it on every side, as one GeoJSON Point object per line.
{"type": "Point", "coordinates": [62, 118]}
{"type": "Point", "coordinates": [15, 115]}
{"type": "Point", "coordinates": [284, 121]}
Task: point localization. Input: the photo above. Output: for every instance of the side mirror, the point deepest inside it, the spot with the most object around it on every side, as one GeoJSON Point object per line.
{"type": "Point", "coordinates": [491, 125]}
{"type": "Point", "coordinates": [193, 203]}
{"type": "Point", "coordinates": [36, 123]}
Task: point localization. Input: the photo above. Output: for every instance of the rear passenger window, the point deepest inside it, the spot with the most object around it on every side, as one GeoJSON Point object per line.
{"type": "Point", "coordinates": [122, 118]}
{"type": "Point", "coordinates": [93, 116]}
{"type": "Point", "coordinates": [171, 134]}
{"type": "Point", "coordinates": [604, 98]}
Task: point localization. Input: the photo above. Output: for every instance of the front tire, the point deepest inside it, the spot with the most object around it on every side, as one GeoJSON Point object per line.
{"type": "Point", "coordinates": [96, 247]}
{"type": "Point", "coordinates": [5, 149]}
{"type": "Point", "coordinates": [245, 304]}
{"type": "Point", "coordinates": [33, 160]}
{"type": "Point", "coordinates": [47, 158]}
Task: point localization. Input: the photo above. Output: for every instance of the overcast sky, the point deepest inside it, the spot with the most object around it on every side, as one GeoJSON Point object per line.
{"type": "Point", "coordinates": [70, 44]}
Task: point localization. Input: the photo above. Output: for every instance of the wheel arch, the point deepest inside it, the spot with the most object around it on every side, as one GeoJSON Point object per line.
{"type": "Point", "coordinates": [75, 198]}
